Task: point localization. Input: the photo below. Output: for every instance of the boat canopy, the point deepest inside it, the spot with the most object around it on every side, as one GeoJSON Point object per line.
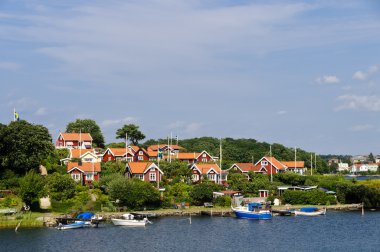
{"type": "Point", "coordinates": [309, 209]}
{"type": "Point", "coordinates": [85, 215]}
{"type": "Point", "coordinates": [254, 205]}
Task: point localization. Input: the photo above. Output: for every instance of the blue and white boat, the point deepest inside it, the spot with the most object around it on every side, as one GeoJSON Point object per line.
{"type": "Point", "coordinates": [76, 224]}
{"type": "Point", "coordinates": [310, 211]}
{"type": "Point", "coordinates": [252, 211]}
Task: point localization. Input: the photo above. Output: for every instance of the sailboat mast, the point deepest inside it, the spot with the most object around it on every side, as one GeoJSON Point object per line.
{"type": "Point", "coordinates": [220, 161]}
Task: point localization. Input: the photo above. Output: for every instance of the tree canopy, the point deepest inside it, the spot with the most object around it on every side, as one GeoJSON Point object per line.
{"type": "Point", "coordinates": [132, 131]}
{"type": "Point", "coordinates": [87, 126]}
{"type": "Point", "coordinates": [24, 146]}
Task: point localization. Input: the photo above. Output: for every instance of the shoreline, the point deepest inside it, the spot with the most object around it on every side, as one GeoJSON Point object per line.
{"type": "Point", "coordinates": [49, 219]}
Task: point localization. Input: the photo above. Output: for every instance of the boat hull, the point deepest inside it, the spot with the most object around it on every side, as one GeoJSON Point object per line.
{"type": "Point", "coordinates": [315, 213]}
{"type": "Point", "coordinates": [134, 223]}
{"type": "Point", "coordinates": [77, 224]}
{"type": "Point", "coordinates": [259, 215]}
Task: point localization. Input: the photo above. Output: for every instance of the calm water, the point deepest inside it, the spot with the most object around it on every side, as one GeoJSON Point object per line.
{"type": "Point", "coordinates": [363, 177]}
{"type": "Point", "coordinates": [337, 231]}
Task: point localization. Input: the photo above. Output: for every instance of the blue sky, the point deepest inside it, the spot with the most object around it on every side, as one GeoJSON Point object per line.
{"type": "Point", "coordinates": [299, 73]}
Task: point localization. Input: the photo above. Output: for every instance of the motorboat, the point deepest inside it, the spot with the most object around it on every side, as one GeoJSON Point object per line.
{"type": "Point", "coordinates": [252, 211]}
{"type": "Point", "coordinates": [310, 211]}
{"type": "Point", "coordinates": [129, 219]}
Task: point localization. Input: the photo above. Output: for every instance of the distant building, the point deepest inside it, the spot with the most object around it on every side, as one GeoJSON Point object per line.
{"type": "Point", "coordinates": [146, 171]}
{"type": "Point", "coordinates": [117, 154]}
{"type": "Point", "coordinates": [74, 141]}
{"type": "Point", "coordinates": [343, 167]}
{"type": "Point", "coordinates": [359, 159]}
{"type": "Point", "coordinates": [295, 166]}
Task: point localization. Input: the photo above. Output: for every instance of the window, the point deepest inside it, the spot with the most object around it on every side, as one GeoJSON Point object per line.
{"type": "Point", "coordinates": [139, 176]}
{"type": "Point", "coordinates": [152, 176]}
{"type": "Point", "coordinates": [204, 160]}
{"type": "Point", "coordinates": [75, 176]}
{"type": "Point", "coordinates": [87, 159]}
{"type": "Point", "coordinates": [204, 155]}
{"type": "Point", "coordinates": [140, 158]}
{"type": "Point", "coordinates": [109, 158]}
{"type": "Point", "coordinates": [264, 162]}
{"type": "Point", "coordinates": [211, 176]}
{"type": "Point", "coordinates": [89, 176]}
{"type": "Point", "coordinates": [141, 153]}
{"type": "Point", "coordinates": [195, 177]}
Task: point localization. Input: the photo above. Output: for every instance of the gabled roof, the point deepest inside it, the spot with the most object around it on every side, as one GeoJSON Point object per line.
{"type": "Point", "coordinates": [141, 167]}
{"type": "Point", "coordinates": [186, 155]}
{"type": "Point", "coordinates": [134, 148]}
{"type": "Point", "coordinates": [277, 164]}
{"type": "Point", "coordinates": [205, 168]}
{"type": "Point", "coordinates": [164, 146]}
{"type": "Point", "coordinates": [76, 136]}
{"type": "Point", "coordinates": [244, 167]}
{"type": "Point", "coordinates": [292, 164]}
{"type": "Point", "coordinates": [84, 167]}
{"type": "Point", "coordinates": [78, 153]}
{"type": "Point", "coordinates": [118, 152]}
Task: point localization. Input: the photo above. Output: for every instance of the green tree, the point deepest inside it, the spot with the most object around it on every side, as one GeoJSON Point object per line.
{"type": "Point", "coordinates": [134, 193]}
{"type": "Point", "coordinates": [60, 187]}
{"type": "Point", "coordinates": [176, 170]}
{"type": "Point", "coordinates": [203, 192]}
{"type": "Point", "coordinates": [32, 189]}
{"type": "Point", "coordinates": [132, 131]}
{"type": "Point", "coordinates": [24, 146]}
{"type": "Point", "coordinates": [371, 158]}
{"type": "Point", "coordinates": [87, 126]}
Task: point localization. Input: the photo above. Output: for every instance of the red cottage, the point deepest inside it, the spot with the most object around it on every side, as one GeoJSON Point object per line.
{"type": "Point", "coordinates": [112, 154]}
{"type": "Point", "coordinates": [74, 141]}
{"type": "Point", "coordinates": [85, 172]}
{"type": "Point", "coordinates": [146, 171]}
{"type": "Point", "coordinates": [269, 165]}
{"type": "Point", "coordinates": [211, 171]}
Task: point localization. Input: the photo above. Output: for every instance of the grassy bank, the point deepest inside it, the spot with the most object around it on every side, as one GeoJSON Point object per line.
{"type": "Point", "coordinates": [27, 220]}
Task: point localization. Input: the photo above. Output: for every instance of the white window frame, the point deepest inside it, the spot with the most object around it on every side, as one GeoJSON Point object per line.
{"type": "Point", "coordinates": [87, 159]}
{"type": "Point", "coordinates": [90, 177]}
{"type": "Point", "coordinates": [264, 162]}
{"type": "Point", "coordinates": [75, 176]}
{"type": "Point", "coordinates": [152, 176]}
{"type": "Point", "coordinates": [204, 160]}
{"type": "Point", "coordinates": [211, 176]}
{"type": "Point", "coordinates": [109, 158]}
{"type": "Point", "coordinates": [140, 158]}
{"type": "Point", "coordinates": [141, 153]}
{"type": "Point", "coordinates": [139, 176]}
{"type": "Point", "coordinates": [204, 155]}
{"type": "Point", "coordinates": [195, 177]}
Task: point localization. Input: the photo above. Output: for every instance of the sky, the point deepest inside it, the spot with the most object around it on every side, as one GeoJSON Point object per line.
{"type": "Point", "coordinates": [304, 74]}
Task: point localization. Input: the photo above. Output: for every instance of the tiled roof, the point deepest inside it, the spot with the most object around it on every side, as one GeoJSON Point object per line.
{"type": "Point", "coordinates": [134, 148]}
{"type": "Point", "coordinates": [119, 152]}
{"type": "Point", "coordinates": [76, 136]}
{"type": "Point", "coordinates": [186, 155]}
{"type": "Point", "coordinates": [77, 153]}
{"type": "Point", "coordinates": [155, 147]}
{"type": "Point", "coordinates": [274, 162]}
{"type": "Point", "coordinates": [245, 166]}
{"type": "Point", "coordinates": [138, 167]}
{"type": "Point", "coordinates": [292, 164]}
{"type": "Point", "coordinates": [204, 168]}
{"type": "Point", "coordinates": [85, 166]}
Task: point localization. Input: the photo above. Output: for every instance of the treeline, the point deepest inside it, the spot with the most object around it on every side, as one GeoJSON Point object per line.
{"type": "Point", "coordinates": [245, 151]}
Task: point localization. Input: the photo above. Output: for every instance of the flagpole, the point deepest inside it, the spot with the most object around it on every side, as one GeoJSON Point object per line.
{"type": "Point", "coordinates": [271, 167]}
{"type": "Point", "coordinates": [220, 161]}
{"type": "Point", "coordinates": [315, 161]}
{"type": "Point", "coordinates": [14, 114]}
{"type": "Point", "coordinates": [311, 158]}
{"type": "Point", "coordinates": [295, 158]}
{"type": "Point", "coordinates": [126, 146]}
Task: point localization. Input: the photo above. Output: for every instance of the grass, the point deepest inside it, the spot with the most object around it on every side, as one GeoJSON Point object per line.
{"type": "Point", "coordinates": [27, 220]}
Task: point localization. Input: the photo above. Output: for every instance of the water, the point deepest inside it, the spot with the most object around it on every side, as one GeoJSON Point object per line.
{"type": "Point", "coordinates": [364, 177]}
{"type": "Point", "coordinates": [337, 231]}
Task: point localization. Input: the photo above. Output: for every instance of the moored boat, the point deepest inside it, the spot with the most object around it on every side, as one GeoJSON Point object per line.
{"type": "Point", "coordinates": [76, 224]}
{"type": "Point", "coordinates": [252, 211]}
{"type": "Point", "coordinates": [129, 220]}
{"type": "Point", "coordinates": [310, 211]}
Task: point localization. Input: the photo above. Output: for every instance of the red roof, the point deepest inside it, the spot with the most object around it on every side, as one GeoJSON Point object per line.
{"type": "Point", "coordinates": [118, 152]}
{"type": "Point", "coordinates": [76, 136]}
{"type": "Point", "coordinates": [85, 166]}
{"type": "Point", "coordinates": [140, 167]}
{"type": "Point", "coordinates": [245, 167]}
{"type": "Point", "coordinates": [77, 153]}
{"type": "Point", "coordinates": [204, 168]}
{"type": "Point", "coordinates": [292, 164]}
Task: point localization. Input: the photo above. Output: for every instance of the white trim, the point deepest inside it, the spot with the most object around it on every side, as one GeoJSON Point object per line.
{"type": "Point", "coordinates": [74, 169]}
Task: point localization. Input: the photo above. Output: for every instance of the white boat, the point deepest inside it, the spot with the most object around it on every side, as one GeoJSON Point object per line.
{"type": "Point", "coordinates": [129, 220]}
{"type": "Point", "coordinates": [76, 224]}
{"type": "Point", "coordinates": [310, 211]}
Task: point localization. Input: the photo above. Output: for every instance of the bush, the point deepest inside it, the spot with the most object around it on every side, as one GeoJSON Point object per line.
{"type": "Point", "coordinates": [224, 201]}
{"type": "Point", "coordinates": [312, 197]}
{"type": "Point", "coordinates": [203, 192]}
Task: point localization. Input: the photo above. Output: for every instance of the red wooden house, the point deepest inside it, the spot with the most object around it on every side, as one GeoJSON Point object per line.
{"type": "Point", "coordinates": [164, 147]}
{"type": "Point", "coordinates": [192, 157]}
{"type": "Point", "coordinates": [146, 171]}
{"type": "Point", "coordinates": [243, 168]}
{"type": "Point", "coordinates": [113, 154]}
{"type": "Point", "coordinates": [74, 141]}
{"type": "Point", "coordinates": [144, 155]}
{"type": "Point", "coordinates": [211, 171]}
{"type": "Point", "coordinates": [269, 165]}
{"type": "Point", "coordinates": [84, 172]}
{"type": "Point", "coordinates": [85, 155]}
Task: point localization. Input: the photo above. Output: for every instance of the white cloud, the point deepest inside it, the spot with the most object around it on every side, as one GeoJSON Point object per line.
{"type": "Point", "coordinates": [357, 102]}
{"type": "Point", "coordinates": [7, 65]}
{"type": "Point", "coordinates": [361, 127]}
{"type": "Point", "coordinates": [41, 111]}
{"type": "Point", "coordinates": [363, 75]}
{"type": "Point", "coordinates": [112, 122]}
{"type": "Point", "coordinates": [282, 112]}
{"type": "Point", "coordinates": [327, 79]}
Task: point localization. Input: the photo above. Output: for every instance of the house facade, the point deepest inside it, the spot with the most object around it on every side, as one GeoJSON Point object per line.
{"type": "Point", "coordinates": [145, 171]}
{"type": "Point", "coordinates": [269, 165]}
{"type": "Point", "coordinates": [211, 171]}
{"type": "Point", "coordinates": [143, 155]}
{"type": "Point", "coordinates": [117, 154]}
{"type": "Point", "coordinates": [73, 141]}
{"type": "Point", "coordinates": [85, 173]}
{"type": "Point", "coordinates": [295, 166]}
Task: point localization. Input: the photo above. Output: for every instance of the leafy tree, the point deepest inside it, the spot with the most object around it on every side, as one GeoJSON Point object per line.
{"type": "Point", "coordinates": [371, 158]}
{"type": "Point", "coordinates": [60, 187]}
{"type": "Point", "coordinates": [313, 197]}
{"type": "Point", "coordinates": [134, 193]}
{"type": "Point", "coordinates": [24, 146]}
{"type": "Point", "coordinates": [176, 170]}
{"type": "Point", "coordinates": [203, 192]}
{"type": "Point", "coordinates": [179, 192]}
{"type": "Point", "coordinates": [87, 126]}
{"type": "Point", "coordinates": [132, 131]}
{"type": "Point", "coordinates": [32, 189]}
{"type": "Point", "coordinates": [113, 167]}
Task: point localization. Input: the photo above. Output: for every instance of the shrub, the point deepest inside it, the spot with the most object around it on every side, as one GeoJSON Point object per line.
{"type": "Point", "coordinates": [312, 197]}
